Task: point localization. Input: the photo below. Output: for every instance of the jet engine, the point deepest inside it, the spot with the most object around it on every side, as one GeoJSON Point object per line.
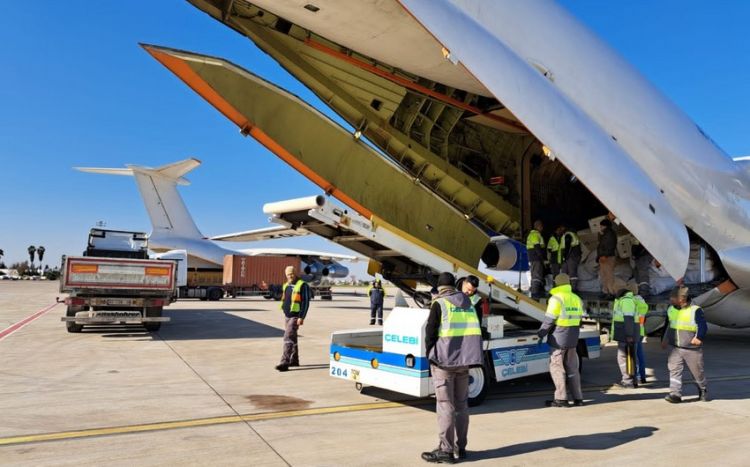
{"type": "Point", "coordinates": [335, 271]}
{"type": "Point", "coordinates": [505, 254]}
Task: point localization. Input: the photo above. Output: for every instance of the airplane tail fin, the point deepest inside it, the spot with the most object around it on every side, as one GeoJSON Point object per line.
{"type": "Point", "coordinates": [158, 187]}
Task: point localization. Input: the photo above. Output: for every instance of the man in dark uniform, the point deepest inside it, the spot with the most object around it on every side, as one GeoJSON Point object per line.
{"type": "Point", "coordinates": [537, 255]}
{"type": "Point", "coordinates": [377, 296]}
{"type": "Point", "coordinates": [294, 303]}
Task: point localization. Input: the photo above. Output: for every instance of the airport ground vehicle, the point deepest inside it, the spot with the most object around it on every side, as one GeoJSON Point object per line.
{"type": "Point", "coordinates": [116, 282]}
{"type": "Point", "coordinates": [394, 357]}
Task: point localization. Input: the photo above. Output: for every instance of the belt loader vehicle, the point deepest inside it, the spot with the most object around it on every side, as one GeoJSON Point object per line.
{"type": "Point", "coordinates": [395, 357]}
{"type": "Point", "coordinates": [115, 282]}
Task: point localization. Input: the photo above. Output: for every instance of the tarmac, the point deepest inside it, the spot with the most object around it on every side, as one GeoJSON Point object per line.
{"type": "Point", "coordinates": [203, 391]}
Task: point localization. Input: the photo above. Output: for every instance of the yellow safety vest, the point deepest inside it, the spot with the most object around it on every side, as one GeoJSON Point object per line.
{"type": "Point", "coordinates": [535, 238]}
{"type": "Point", "coordinates": [574, 240]}
{"type": "Point", "coordinates": [565, 306]}
{"type": "Point", "coordinates": [682, 325]}
{"type": "Point", "coordinates": [296, 301]}
{"type": "Point", "coordinates": [554, 250]}
{"type": "Point", "coordinates": [623, 306]}
{"type": "Point", "coordinates": [641, 309]}
{"type": "Point", "coordinates": [457, 322]}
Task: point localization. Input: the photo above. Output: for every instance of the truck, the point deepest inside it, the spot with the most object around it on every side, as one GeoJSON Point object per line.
{"type": "Point", "coordinates": [201, 283]}
{"type": "Point", "coordinates": [394, 356]}
{"type": "Point", "coordinates": [115, 282]}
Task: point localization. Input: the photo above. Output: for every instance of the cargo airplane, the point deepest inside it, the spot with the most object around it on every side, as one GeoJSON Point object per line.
{"type": "Point", "coordinates": [173, 228]}
{"type": "Point", "coordinates": [485, 116]}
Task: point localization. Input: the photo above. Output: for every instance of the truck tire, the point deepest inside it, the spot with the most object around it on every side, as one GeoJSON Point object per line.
{"type": "Point", "coordinates": [215, 294]}
{"type": "Point", "coordinates": [153, 312]}
{"type": "Point", "coordinates": [479, 384]}
{"type": "Point", "coordinates": [71, 326]}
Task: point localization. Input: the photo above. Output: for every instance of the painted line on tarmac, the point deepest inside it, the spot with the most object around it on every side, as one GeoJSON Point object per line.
{"type": "Point", "coordinates": [214, 421]}
{"type": "Point", "coordinates": [211, 421]}
{"type": "Point", "coordinates": [15, 327]}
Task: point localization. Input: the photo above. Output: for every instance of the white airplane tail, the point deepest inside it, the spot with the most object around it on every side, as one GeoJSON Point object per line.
{"type": "Point", "coordinates": [158, 187]}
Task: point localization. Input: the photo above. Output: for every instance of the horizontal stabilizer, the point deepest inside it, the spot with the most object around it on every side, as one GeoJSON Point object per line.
{"type": "Point", "coordinates": [96, 170]}
{"type": "Point", "coordinates": [173, 172]}
{"type": "Point", "coordinates": [266, 233]}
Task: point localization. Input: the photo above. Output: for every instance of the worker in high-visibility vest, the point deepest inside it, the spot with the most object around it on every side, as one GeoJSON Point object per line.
{"type": "Point", "coordinates": [294, 303]}
{"type": "Point", "coordinates": [570, 246]}
{"type": "Point", "coordinates": [562, 324]}
{"type": "Point", "coordinates": [641, 310]}
{"type": "Point", "coordinates": [537, 254]}
{"type": "Point", "coordinates": [554, 253]}
{"type": "Point", "coordinates": [685, 332]}
{"type": "Point", "coordinates": [453, 341]}
{"type": "Point", "coordinates": [625, 330]}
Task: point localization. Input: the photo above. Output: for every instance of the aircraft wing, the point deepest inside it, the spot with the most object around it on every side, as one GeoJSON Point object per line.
{"type": "Point", "coordinates": [572, 136]}
{"type": "Point", "coordinates": [321, 255]}
{"type": "Point", "coordinates": [266, 233]}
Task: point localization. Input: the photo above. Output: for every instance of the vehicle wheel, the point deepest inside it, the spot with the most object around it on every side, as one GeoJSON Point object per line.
{"type": "Point", "coordinates": [71, 326]}
{"type": "Point", "coordinates": [479, 384]}
{"type": "Point", "coordinates": [214, 294]}
{"type": "Point", "coordinates": [153, 312]}
{"type": "Point", "coordinates": [358, 387]}
{"type": "Point", "coordinates": [277, 295]}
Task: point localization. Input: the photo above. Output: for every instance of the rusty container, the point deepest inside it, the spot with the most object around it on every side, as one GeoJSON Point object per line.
{"type": "Point", "coordinates": [256, 271]}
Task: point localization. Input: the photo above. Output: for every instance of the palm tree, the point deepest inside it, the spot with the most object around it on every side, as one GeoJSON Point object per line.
{"type": "Point", "coordinates": [40, 253]}
{"type": "Point", "coordinates": [32, 250]}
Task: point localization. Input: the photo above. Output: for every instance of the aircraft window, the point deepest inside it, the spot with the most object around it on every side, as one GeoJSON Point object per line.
{"type": "Point", "coordinates": [312, 8]}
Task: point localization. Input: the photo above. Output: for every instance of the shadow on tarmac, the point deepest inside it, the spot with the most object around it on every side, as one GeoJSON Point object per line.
{"type": "Point", "coordinates": [194, 325]}
{"type": "Point", "coordinates": [596, 441]}
{"type": "Point", "coordinates": [202, 324]}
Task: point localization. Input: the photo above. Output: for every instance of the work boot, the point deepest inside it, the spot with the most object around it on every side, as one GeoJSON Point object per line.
{"type": "Point", "coordinates": [293, 364]}
{"type": "Point", "coordinates": [703, 395]}
{"type": "Point", "coordinates": [439, 457]}
{"type": "Point", "coordinates": [380, 322]}
{"type": "Point", "coordinates": [673, 399]}
{"type": "Point", "coordinates": [461, 454]}
{"type": "Point", "coordinates": [624, 385]}
{"type": "Point", "coordinates": [643, 380]}
{"type": "Point", "coordinates": [282, 367]}
{"type": "Point", "coordinates": [372, 322]}
{"type": "Point", "coordinates": [578, 403]}
{"type": "Point", "coordinates": [556, 403]}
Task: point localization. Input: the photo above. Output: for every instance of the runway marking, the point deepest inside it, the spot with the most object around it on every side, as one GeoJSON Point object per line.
{"type": "Point", "coordinates": [256, 417]}
{"type": "Point", "coordinates": [15, 327]}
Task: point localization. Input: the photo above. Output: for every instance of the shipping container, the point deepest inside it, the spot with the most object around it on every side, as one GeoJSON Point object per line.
{"type": "Point", "coordinates": [257, 272]}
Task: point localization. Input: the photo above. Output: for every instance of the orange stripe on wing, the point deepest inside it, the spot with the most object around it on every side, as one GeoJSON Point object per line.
{"type": "Point", "coordinates": [183, 71]}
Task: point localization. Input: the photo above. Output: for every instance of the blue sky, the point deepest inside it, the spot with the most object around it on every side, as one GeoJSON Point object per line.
{"type": "Point", "coordinates": [76, 90]}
